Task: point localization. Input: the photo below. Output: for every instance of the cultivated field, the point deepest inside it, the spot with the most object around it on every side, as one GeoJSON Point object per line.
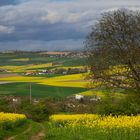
{"type": "Point", "coordinates": [61, 79]}
{"type": "Point", "coordinates": [71, 127]}
{"type": "Point", "coordinates": [14, 81]}
{"type": "Point", "coordinates": [93, 127]}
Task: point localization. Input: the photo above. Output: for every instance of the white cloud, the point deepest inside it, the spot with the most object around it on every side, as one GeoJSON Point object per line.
{"type": "Point", "coordinates": [53, 12]}
{"type": "Point", "coordinates": [53, 20]}
{"type": "Point", "coordinates": [6, 29]}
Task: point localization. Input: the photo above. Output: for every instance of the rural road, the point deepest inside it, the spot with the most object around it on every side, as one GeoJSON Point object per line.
{"type": "Point", "coordinates": [1, 83]}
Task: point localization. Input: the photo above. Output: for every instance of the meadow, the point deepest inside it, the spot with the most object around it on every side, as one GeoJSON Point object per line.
{"type": "Point", "coordinates": [14, 82]}
{"type": "Point", "coordinates": [93, 127]}
{"type": "Point", "coordinates": [10, 121]}
{"type": "Point", "coordinates": [23, 89]}
{"type": "Point", "coordinates": [68, 123]}
{"type": "Point", "coordinates": [77, 127]}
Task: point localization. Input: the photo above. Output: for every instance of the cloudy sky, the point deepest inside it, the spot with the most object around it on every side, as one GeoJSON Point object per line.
{"type": "Point", "coordinates": [52, 24]}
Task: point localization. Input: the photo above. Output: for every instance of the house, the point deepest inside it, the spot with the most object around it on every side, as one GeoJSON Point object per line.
{"type": "Point", "coordinates": [15, 100]}
{"type": "Point", "coordinates": [96, 98]}
{"type": "Point", "coordinates": [56, 54]}
{"type": "Point", "coordinates": [3, 70]}
{"type": "Point", "coordinates": [79, 97]}
{"type": "Point", "coordinates": [64, 72]}
{"type": "Point", "coordinates": [35, 101]}
{"type": "Point", "coordinates": [30, 73]}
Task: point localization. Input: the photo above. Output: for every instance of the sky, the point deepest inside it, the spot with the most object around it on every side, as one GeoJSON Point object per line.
{"type": "Point", "coordinates": [50, 25]}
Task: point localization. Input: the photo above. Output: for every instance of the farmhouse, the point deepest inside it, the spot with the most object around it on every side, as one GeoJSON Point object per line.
{"type": "Point", "coordinates": [30, 73]}
{"type": "Point", "coordinates": [4, 70]}
{"type": "Point", "coordinates": [79, 97]}
{"type": "Point", "coordinates": [56, 54]}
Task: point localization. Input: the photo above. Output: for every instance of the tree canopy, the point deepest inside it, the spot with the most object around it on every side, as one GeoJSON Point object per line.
{"type": "Point", "coordinates": [113, 49]}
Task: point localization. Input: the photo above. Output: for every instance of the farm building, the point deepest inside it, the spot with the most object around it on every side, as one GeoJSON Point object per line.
{"type": "Point", "coordinates": [56, 54]}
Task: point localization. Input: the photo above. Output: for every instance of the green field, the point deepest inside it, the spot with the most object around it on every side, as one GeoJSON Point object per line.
{"type": "Point", "coordinates": [42, 86]}
{"type": "Point", "coordinates": [37, 58]}
{"type": "Point", "coordinates": [59, 130]}
{"type": "Point", "coordinates": [65, 127]}
{"type": "Point", "coordinates": [38, 90]}
{"type": "Point", "coordinates": [54, 85]}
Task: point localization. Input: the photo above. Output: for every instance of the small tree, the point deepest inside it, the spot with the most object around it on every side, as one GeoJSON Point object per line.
{"type": "Point", "coordinates": [113, 49]}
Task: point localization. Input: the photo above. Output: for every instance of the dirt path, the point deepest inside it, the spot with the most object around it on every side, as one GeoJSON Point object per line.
{"type": "Point", "coordinates": [40, 135]}
{"type": "Point", "coordinates": [1, 83]}
{"type": "Point", "coordinates": [24, 132]}
{"type": "Point", "coordinates": [8, 75]}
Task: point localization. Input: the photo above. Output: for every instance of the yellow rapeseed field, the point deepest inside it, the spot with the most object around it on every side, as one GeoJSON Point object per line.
{"type": "Point", "coordinates": [21, 79]}
{"type": "Point", "coordinates": [21, 59]}
{"type": "Point", "coordinates": [101, 93]}
{"type": "Point", "coordinates": [24, 68]}
{"type": "Point", "coordinates": [67, 67]}
{"type": "Point", "coordinates": [93, 120]}
{"type": "Point", "coordinates": [74, 80]}
{"type": "Point", "coordinates": [6, 117]}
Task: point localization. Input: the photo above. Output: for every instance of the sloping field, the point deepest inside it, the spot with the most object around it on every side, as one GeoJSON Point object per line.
{"type": "Point", "coordinates": [23, 89]}
{"type": "Point", "coordinates": [74, 80]}
{"type": "Point", "coordinates": [60, 86]}
{"type": "Point", "coordinates": [7, 75]}
{"type": "Point", "coordinates": [17, 78]}
{"type": "Point", "coordinates": [101, 93]}
{"type": "Point", "coordinates": [20, 60]}
{"type": "Point", "coordinates": [25, 67]}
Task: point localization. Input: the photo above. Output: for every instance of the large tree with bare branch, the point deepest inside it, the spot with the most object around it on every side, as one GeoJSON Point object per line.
{"type": "Point", "coordinates": [113, 49]}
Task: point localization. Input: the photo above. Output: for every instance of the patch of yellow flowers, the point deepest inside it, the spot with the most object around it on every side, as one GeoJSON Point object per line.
{"type": "Point", "coordinates": [24, 68]}
{"type": "Point", "coordinates": [73, 80]}
{"type": "Point", "coordinates": [6, 117]}
{"type": "Point", "coordinates": [93, 120]}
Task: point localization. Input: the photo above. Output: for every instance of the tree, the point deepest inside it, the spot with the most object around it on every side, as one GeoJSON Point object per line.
{"type": "Point", "coordinates": [113, 49]}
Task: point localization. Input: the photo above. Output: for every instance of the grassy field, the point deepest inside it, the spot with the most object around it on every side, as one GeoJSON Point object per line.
{"type": "Point", "coordinates": [55, 85]}
{"type": "Point", "coordinates": [79, 127]}
{"type": "Point", "coordinates": [74, 80]}
{"type": "Point", "coordinates": [38, 90]}
{"type": "Point", "coordinates": [93, 127]}
{"type": "Point", "coordinates": [61, 127]}
{"type": "Point", "coordinates": [60, 86]}
{"type": "Point", "coordinates": [10, 121]}
{"type": "Point", "coordinates": [51, 85]}
{"type": "Point", "coordinates": [36, 58]}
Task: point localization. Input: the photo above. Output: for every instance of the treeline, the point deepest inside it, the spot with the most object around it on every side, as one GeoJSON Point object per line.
{"type": "Point", "coordinates": [40, 109]}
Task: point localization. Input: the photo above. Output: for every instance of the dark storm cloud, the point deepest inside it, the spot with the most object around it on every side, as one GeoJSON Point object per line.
{"type": "Point", "coordinates": [44, 32]}
{"type": "Point", "coordinates": [53, 22]}
{"type": "Point", "coordinates": [7, 2]}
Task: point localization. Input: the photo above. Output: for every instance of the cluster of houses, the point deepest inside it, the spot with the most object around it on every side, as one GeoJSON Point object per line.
{"type": "Point", "coordinates": [40, 72]}
{"type": "Point", "coordinates": [18, 100]}
{"type": "Point", "coordinates": [4, 70]}
{"type": "Point", "coordinates": [86, 98]}
{"type": "Point", "coordinates": [63, 54]}
{"type": "Point", "coordinates": [57, 71]}
{"type": "Point", "coordinates": [76, 97]}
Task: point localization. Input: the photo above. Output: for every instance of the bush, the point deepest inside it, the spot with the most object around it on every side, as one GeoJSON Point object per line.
{"type": "Point", "coordinates": [38, 112]}
{"type": "Point", "coordinates": [119, 106]}
{"type": "Point", "coordinates": [60, 71]}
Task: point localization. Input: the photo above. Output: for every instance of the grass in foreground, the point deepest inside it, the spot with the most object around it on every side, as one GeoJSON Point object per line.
{"type": "Point", "coordinates": [93, 127]}
{"type": "Point", "coordinates": [9, 122]}
{"type": "Point", "coordinates": [80, 127]}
